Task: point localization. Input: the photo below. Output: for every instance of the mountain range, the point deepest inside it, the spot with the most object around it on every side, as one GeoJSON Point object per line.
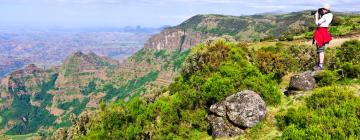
{"type": "Point", "coordinates": [51, 48]}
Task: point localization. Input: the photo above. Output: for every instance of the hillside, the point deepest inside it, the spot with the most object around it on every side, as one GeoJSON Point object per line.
{"type": "Point", "coordinates": [329, 109]}
{"type": "Point", "coordinates": [165, 52]}
{"type": "Point", "coordinates": [170, 84]}
{"type": "Point", "coordinates": [34, 99]}
{"type": "Point", "coordinates": [207, 75]}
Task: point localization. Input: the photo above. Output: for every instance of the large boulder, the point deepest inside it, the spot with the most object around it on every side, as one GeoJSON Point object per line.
{"type": "Point", "coordinates": [235, 113]}
{"type": "Point", "coordinates": [245, 109]}
{"type": "Point", "coordinates": [302, 82]}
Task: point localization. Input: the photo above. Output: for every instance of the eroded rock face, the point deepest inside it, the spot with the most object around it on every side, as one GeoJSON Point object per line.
{"type": "Point", "coordinates": [302, 82]}
{"type": "Point", "coordinates": [235, 113]}
{"type": "Point", "coordinates": [173, 39]}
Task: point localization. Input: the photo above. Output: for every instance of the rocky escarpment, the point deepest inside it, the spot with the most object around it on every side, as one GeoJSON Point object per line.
{"type": "Point", "coordinates": [235, 113]}
{"type": "Point", "coordinates": [174, 39]}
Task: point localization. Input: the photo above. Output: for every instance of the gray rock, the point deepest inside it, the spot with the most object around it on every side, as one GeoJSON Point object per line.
{"type": "Point", "coordinates": [235, 113]}
{"type": "Point", "coordinates": [221, 127]}
{"type": "Point", "coordinates": [302, 82]}
{"type": "Point", "coordinates": [219, 109]}
{"type": "Point", "coordinates": [245, 109]}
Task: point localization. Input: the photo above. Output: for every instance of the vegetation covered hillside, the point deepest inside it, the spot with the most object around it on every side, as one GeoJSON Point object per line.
{"type": "Point", "coordinates": [37, 100]}
{"type": "Point", "coordinates": [167, 51]}
{"type": "Point", "coordinates": [215, 70]}
{"type": "Point", "coordinates": [264, 27]}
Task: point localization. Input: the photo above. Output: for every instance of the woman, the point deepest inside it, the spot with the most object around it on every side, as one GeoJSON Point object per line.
{"type": "Point", "coordinates": [322, 35]}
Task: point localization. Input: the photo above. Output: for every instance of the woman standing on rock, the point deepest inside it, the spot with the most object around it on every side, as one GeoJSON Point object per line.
{"type": "Point", "coordinates": [322, 37]}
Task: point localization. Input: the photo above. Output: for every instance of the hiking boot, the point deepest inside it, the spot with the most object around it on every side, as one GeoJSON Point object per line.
{"type": "Point", "coordinates": [318, 68]}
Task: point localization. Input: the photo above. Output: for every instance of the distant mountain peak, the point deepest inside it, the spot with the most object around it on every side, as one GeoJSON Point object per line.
{"type": "Point", "coordinates": [78, 53]}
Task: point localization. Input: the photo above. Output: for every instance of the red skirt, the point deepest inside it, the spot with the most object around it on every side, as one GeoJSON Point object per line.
{"type": "Point", "coordinates": [322, 36]}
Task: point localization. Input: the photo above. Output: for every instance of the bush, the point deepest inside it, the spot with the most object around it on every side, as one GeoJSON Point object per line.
{"type": "Point", "coordinates": [305, 57]}
{"type": "Point", "coordinates": [274, 60]}
{"type": "Point", "coordinates": [350, 70]}
{"type": "Point", "coordinates": [330, 113]}
{"type": "Point", "coordinates": [326, 77]}
{"type": "Point", "coordinates": [349, 52]}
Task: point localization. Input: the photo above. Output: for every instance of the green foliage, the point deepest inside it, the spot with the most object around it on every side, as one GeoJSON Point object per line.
{"type": "Point", "coordinates": [342, 25]}
{"type": "Point", "coordinates": [109, 124]}
{"type": "Point", "coordinates": [130, 87]}
{"type": "Point", "coordinates": [77, 105]}
{"type": "Point", "coordinates": [67, 105]}
{"type": "Point", "coordinates": [330, 113]}
{"type": "Point", "coordinates": [274, 60]}
{"type": "Point", "coordinates": [89, 89]}
{"type": "Point", "coordinates": [280, 60]}
{"type": "Point", "coordinates": [178, 58]}
{"type": "Point", "coordinates": [29, 118]}
{"type": "Point", "coordinates": [350, 70]}
{"type": "Point", "coordinates": [79, 108]}
{"type": "Point", "coordinates": [345, 24]}
{"type": "Point", "coordinates": [138, 56]}
{"type": "Point", "coordinates": [349, 52]}
{"type": "Point", "coordinates": [348, 56]}
{"type": "Point", "coordinates": [326, 78]}
{"type": "Point", "coordinates": [161, 54]}
{"type": "Point", "coordinates": [260, 27]}
{"type": "Point", "coordinates": [211, 73]}
{"type": "Point", "coordinates": [43, 95]}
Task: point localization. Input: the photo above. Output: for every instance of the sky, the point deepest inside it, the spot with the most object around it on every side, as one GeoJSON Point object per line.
{"type": "Point", "coordinates": [148, 13]}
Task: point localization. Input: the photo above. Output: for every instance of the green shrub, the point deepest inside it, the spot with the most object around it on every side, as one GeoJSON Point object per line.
{"type": "Point", "coordinates": [330, 113]}
{"type": "Point", "coordinates": [274, 60]}
{"type": "Point", "coordinates": [326, 77]}
{"type": "Point", "coordinates": [130, 87]}
{"type": "Point", "coordinates": [67, 105]}
{"type": "Point", "coordinates": [89, 89]}
{"type": "Point", "coordinates": [161, 53]}
{"type": "Point", "coordinates": [349, 52]}
{"type": "Point", "coordinates": [304, 57]}
{"type": "Point", "coordinates": [331, 59]}
{"type": "Point", "coordinates": [178, 58]}
{"type": "Point", "coordinates": [350, 70]}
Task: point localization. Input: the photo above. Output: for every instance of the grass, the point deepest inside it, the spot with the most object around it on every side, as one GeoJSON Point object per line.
{"type": "Point", "coordinates": [22, 137]}
{"type": "Point", "coordinates": [1, 119]}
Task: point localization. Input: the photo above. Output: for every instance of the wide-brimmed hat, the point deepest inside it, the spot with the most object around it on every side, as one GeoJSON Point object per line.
{"type": "Point", "coordinates": [326, 6]}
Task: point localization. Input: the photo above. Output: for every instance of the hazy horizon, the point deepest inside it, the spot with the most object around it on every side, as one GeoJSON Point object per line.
{"type": "Point", "coordinates": [145, 13]}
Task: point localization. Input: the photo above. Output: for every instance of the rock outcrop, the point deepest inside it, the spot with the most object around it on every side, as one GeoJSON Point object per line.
{"type": "Point", "coordinates": [174, 39]}
{"type": "Point", "coordinates": [235, 113]}
{"type": "Point", "coordinates": [302, 82]}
